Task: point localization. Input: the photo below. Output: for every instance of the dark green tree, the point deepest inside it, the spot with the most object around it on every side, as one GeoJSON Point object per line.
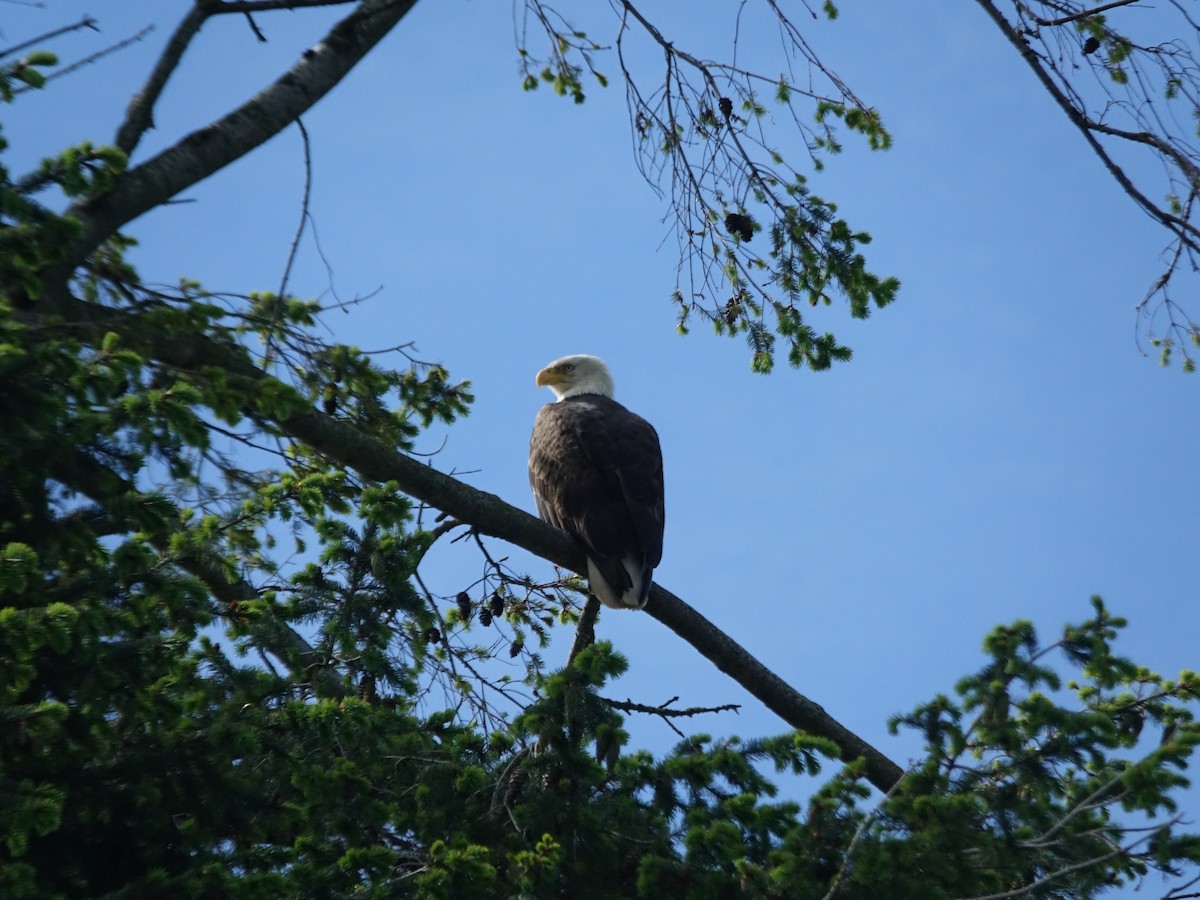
{"type": "Point", "coordinates": [186, 710]}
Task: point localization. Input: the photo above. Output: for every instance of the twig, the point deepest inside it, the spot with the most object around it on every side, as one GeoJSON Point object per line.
{"type": "Point", "coordinates": [295, 247]}
{"type": "Point", "coordinates": [253, 6]}
{"type": "Point", "coordinates": [666, 714]}
{"type": "Point", "coordinates": [262, 38]}
{"type": "Point", "coordinates": [665, 711]}
{"type": "Point", "coordinates": [1074, 17]}
{"type": "Point", "coordinates": [91, 58]}
{"type": "Point", "coordinates": [85, 22]}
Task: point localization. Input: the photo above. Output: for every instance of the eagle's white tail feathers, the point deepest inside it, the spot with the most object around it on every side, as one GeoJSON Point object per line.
{"type": "Point", "coordinates": [607, 594]}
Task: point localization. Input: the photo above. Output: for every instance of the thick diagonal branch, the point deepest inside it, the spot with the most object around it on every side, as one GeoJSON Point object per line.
{"type": "Point", "coordinates": [775, 693]}
{"type": "Point", "coordinates": [341, 441]}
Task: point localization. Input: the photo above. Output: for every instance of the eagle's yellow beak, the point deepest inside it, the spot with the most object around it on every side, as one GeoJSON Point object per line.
{"type": "Point", "coordinates": [549, 376]}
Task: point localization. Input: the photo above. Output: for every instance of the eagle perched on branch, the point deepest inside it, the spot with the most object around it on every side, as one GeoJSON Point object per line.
{"type": "Point", "coordinates": [596, 473]}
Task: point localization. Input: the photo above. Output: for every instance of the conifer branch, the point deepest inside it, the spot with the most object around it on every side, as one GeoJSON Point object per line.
{"type": "Point", "coordinates": [486, 513]}
{"type": "Point", "coordinates": [103, 485]}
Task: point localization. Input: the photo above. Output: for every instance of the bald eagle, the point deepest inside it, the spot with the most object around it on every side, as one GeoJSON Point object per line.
{"type": "Point", "coordinates": [596, 473]}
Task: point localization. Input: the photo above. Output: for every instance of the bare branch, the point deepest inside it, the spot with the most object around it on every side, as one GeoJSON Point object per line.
{"type": "Point", "coordinates": [287, 269]}
{"type": "Point", "coordinates": [262, 38]}
{"type": "Point", "coordinates": [780, 697]}
{"type": "Point", "coordinates": [666, 711]}
{"type": "Point", "coordinates": [253, 6]}
{"type": "Point", "coordinates": [235, 134]}
{"type": "Point", "coordinates": [1076, 16]}
{"type": "Point", "coordinates": [140, 115]}
{"type": "Point", "coordinates": [85, 22]}
{"type": "Point", "coordinates": [92, 57]}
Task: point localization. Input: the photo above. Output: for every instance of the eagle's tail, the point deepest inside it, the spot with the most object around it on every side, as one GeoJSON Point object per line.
{"type": "Point", "coordinates": [620, 583]}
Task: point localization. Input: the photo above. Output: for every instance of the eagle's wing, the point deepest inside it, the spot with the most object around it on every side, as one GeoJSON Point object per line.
{"type": "Point", "coordinates": [596, 472]}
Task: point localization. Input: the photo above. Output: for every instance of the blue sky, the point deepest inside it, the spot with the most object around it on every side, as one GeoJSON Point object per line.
{"type": "Point", "coordinates": [997, 449]}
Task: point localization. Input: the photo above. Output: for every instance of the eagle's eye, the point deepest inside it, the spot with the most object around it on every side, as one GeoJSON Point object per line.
{"type": "Point", "coordinates": [570, 367]}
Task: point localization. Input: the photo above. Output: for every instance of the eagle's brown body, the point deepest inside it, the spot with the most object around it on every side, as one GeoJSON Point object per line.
{"type": "Point", "coordinates": [596, 473]}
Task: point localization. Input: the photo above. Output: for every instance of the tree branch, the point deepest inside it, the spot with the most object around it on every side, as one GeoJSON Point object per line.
{"type": "Point", "coordinates": [230, 137]}
{"type": "Point", "coordinates": [1075, 17]}
{"type": "Point", "coordinates": [91, 58]}
{"type": "Point", "coordinates": [776, 694]}
{"type": "Point", "coordinates": [486, 513]}
{"type": "Point", "coordinates": [252, 6]}
{"type": "Point", "coordinates": [139, 117]}
{"type": "Point", "coordinates": [1184, 230]}
{"type": "Point", "coordinates": [85, 22]}
{"type": "Point", "coordinates": [204, 152]}
{"type": "Point", "coordinates": [287, 269]}
{"type": "Point", "coordinates": [95, 480]}
{"type": "Point", "coordinates": [1142, 96]}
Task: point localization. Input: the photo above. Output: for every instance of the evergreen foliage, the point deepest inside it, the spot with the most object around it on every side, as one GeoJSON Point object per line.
{"type": "Point", "coordinates": [185, 711]}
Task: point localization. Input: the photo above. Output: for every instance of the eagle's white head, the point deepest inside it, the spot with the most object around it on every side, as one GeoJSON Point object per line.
{"type": "Point", "coordinates": [574, 375]}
